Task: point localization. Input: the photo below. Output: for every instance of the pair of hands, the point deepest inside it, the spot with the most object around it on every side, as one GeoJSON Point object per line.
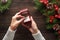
{"type": "Point", "coordinates": [15, 23]}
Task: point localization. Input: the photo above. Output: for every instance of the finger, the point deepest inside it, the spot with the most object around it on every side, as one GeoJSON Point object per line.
{"type": "Point", "coordinates": [19, 16]}
{"type": "Point", "coordinates": [32, 18]}
{"type": "Point", "coordinates": [18, 13]}
{"type": "Point", "coordinates": [21, 20]}
{"type": "Point", "coordinates": [21, 11]}
{"type": "Point", "coordinates": [24, 10]}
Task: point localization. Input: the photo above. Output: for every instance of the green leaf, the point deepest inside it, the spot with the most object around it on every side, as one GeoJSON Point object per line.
{"type": "Point", "coordinates": [5, 6]}
{"type": "Point", "coordinates": [49, 26]}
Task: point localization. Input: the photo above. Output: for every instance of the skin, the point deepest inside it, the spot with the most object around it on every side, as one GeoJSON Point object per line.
{"type": "Point", "coordinates": [15, 23]}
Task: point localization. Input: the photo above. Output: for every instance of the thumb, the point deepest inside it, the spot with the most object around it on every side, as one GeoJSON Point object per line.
{"type": "Point", "coordinates": [21, 20]}
{"type": "Point", "coordinates": [31, 18]}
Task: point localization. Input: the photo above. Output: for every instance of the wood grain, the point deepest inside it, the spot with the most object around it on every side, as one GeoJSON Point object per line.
{"type": "Point", "coordinates": [22, 33]}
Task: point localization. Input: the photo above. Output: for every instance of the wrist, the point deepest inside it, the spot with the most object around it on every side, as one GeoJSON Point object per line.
{"type": "Point", "coordinates": [12, 28]}
{"type": "Point", "coordinates": [35, 31]}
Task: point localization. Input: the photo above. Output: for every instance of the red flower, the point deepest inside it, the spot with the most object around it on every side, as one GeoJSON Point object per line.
{"type": "Point", "coordinates": [44, 1]}
{"type": "Point", "coordinates": [56, 16]}
{"type": "Point", "coordinates": [50, 21]}
{"type": "Point", "coordinates": [59, 16]}
{"type": "Point", "coordinates": [59, 32]}
{"type": "Point", "coordinates": [41, 1]}
{"type": "Point", "coordinates": [56, 7]}
{"type": "Point", "coordinates": [51, 17]}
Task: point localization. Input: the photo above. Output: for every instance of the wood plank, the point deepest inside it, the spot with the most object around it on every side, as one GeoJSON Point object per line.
{"type": "Point", "coordinates": [22, 33]}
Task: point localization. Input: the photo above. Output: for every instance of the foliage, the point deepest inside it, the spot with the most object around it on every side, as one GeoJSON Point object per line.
{"type": "Point", "coordinates": [5, 6]}
{"type": "Point", "coordinates": [52, 11]}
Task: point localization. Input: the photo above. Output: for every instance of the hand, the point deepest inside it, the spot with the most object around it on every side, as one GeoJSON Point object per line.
{"type": "Point", "coordinates": [33, 29]}
{"type": "Point", "coordinates": [15, 22]}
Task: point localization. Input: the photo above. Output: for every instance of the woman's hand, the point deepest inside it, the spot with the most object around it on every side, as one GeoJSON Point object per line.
{"type": "Point", "coordinates": [33, 29]}
{"type": "Point", "coordinates": [15, 22]}
{"type": "Point", "coordinates": [17, 19]}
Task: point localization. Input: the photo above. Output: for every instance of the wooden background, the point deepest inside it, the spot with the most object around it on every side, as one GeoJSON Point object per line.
{"type": "Point", "coordinates": [22, 33]}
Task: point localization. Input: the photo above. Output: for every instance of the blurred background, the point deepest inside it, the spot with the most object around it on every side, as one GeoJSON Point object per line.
{"type": "Point", "coordinates": [22, 33]}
